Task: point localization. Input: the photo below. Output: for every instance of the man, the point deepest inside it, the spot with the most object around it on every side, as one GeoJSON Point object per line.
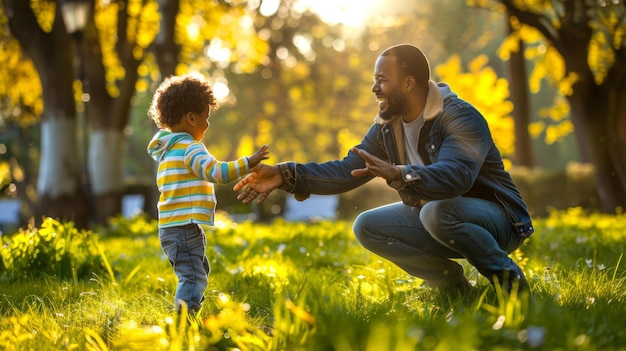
{"type": "Point", "coordinates": [436, 150]}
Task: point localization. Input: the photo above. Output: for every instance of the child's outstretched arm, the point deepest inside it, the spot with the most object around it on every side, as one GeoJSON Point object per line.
{"type": "Point", "coordinates": [260, 155]}
{"type": "Point", "coordinates": [207, 167]}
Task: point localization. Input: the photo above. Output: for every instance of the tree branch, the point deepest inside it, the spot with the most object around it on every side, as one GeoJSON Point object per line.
{"type": "Point", "coordinates": [539, 22]}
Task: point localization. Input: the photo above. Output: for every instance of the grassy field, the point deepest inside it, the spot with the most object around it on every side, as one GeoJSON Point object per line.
{"type": "Point", "coordinates": [298, 286]}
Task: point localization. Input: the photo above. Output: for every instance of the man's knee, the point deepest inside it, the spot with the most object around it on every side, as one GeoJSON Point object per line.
{"type": "Point", "coordinates": [363, 226]}
{"type": "Point", "coordinates": [431, 215]}
{"type": "Point", "coordinates": [438, 216]}
{"type": "Point", "coordinates": [359, 225]}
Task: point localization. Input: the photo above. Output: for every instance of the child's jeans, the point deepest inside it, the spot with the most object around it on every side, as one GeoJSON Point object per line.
{"type": "Point", "coordinates": [185, 248]}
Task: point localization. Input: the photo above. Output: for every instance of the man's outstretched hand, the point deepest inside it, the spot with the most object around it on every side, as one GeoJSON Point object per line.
{"type": "Point", "coordinates": [376, 167]}
{"type": "Point", "coordinates": [262, 181]}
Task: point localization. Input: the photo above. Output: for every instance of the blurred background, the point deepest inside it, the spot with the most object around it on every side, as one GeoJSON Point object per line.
{"type": "Point", "coordinates": [77, 76]}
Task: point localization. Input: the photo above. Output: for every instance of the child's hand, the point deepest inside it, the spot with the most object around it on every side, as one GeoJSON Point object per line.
{"type": "Point", "coordinates": [260, 155]}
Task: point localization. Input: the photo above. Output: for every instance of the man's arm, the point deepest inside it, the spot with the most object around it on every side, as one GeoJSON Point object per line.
{"type": "Point", "coordinates": [304, 179]}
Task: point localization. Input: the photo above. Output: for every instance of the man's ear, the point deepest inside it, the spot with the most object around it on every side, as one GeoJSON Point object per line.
{"type": "Point", "coordinates": [410, 83]}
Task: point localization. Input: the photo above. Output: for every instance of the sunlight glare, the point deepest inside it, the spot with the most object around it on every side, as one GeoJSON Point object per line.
{"type": "Point", "coordinates": [269, 7]}
{"type": "Point", "coordinates": [353, 13]}
{"type": "Point", "coordinates": [221, 91]}
{"type": "Point", "coordinates": [223, 298]}
{"type": "Point", "coordinates": [216, 52]}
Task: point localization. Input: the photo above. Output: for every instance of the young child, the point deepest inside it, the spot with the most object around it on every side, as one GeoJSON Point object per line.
{"type": "Point", "coordinates": [186, 173]}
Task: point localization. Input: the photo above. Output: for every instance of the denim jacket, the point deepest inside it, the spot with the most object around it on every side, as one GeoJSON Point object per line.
{"type": "Point", "coordinates": [455, 144]}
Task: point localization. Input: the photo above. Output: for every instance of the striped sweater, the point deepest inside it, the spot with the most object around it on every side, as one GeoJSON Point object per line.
{"type": "Point", "coordinates": [185, 177]}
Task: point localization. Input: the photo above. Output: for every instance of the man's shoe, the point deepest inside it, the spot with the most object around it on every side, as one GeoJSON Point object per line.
{"type": "Point", "coordinates": [511, 280]}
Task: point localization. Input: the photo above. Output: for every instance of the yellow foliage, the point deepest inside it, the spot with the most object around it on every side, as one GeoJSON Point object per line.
{"type": "Point", "coordinates": [354, 61]}
{"type": "Point", "coordinates": [5, 173]}
{"type": "Point", "coordinates": [521, 32]}
{"type": "Point", "coordinates": [45, 13]}
{"type": "Point", "coordinates": [487, 92]}
{"type": "Point", "coordinates": [555, 133]}
{"type": "Point", "coordinates": [508, 164]}
{"type": "Point", "coordinates": [478, 3]}
{"type": "Point", "coordinates": [556, 112]}
{"type": "Point", "coordinates": [246, 146]}
{"type": "Point", "coordinates": [347, 139]}
{"type": "Point", "coordinates": [148, 27]}
{"type": "Point", "coordinates": [536, 128]}
{"type": "Point", "coordinates": [269, 108]}
{"type": "Point", "coordinates": [600, 57]}
{"type": "Point", "coordinates": [549, 65]}
{"type": "Point", "coordinates": [21, 86]}
{"type": "Point", "coordinates": [142, 85]}
{"type": "Point", "coordinates": [106, 21]}
{"type": "Point", "coordinates": [264, 133]}
{"type": "Point", "coordinates": [301, 70]}
{"type": "Point", "coordinates": [295, 93]}
{"type": "Point", "coordinates": [341, 82]}
{"type": "Point", "coordinates": [509, 45]}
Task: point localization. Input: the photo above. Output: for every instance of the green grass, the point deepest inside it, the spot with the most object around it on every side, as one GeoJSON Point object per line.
{"type": "Point", "coordinates": [297, 286]}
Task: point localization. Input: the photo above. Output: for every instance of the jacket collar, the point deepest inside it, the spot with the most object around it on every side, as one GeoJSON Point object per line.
{"type": "Point", "coordinates": [432, 109]}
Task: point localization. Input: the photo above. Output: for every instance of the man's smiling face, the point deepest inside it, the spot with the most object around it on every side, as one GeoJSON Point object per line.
{"type": "Point", "coordinates": [388, 87]}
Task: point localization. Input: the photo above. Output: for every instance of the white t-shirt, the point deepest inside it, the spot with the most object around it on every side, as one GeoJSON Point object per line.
{"type": "Point", "coordinates": [411, 138]}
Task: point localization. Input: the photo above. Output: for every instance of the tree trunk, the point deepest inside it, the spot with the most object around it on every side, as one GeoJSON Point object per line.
{"type": "Point", "coordinates": [106, 173]}
{"type": "Point", "coordinates": [26, 184]}
{"type": "Point", "coordinates": [599, 129]}
{"type": "Point", "coordinates": [519, 96]}
{"type": "Point", "coordinates": [616, 120]}
{"type": "Point", "coordinates": [108, 116]}
{"type": "Point", "coordinates": [597, 111]}
{"type": "Point", "coordinates": [616, 126]}
{"type": "Point", "coordinates": [165, 49]}
{"type": "Point", "coordinates": [60, 188]}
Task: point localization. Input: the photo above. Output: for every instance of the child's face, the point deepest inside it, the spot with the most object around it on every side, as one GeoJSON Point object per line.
{"type": "Point", "coordinates": [201, 124]}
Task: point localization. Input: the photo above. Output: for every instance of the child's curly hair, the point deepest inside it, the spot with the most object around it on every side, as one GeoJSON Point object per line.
{"type": "Point", "coordinates": [178, 95]}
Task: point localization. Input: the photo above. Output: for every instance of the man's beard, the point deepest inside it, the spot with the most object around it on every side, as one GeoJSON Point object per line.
{"type": "Point", "coordinates": [395, 105]}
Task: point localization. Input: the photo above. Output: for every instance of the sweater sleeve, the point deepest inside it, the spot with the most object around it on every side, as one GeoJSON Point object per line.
{"type": "Point", "coordinates": [204, 165]}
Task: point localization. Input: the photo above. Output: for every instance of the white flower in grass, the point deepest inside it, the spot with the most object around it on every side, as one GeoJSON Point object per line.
{"type": "Point", "coordinates": [499, 323]}
{"type": "Point", "coordinates": [223, 298]}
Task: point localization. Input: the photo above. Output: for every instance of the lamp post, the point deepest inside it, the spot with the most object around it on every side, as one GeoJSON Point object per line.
{"type": "Point", "coordinates": [75, 14]}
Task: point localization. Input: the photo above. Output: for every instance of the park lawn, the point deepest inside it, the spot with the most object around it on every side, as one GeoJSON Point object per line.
{"type": "Point", "coordinates": [311, 286]}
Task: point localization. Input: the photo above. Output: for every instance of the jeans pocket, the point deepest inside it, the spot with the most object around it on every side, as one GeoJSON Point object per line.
{"type": "Point", "coordinates": [196, 243]}
{"type": "Point", "coordinates": [171, 250]}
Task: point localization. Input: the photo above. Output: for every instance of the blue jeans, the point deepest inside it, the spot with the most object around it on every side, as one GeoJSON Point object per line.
{"type": "Point", "coordinates": [185, 248]}
{"type": "Point", "coordinates": [422, 242]}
